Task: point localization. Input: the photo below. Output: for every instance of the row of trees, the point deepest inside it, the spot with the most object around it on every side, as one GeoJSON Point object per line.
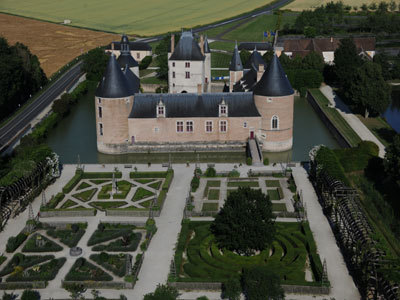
{"type": "Point", "coordinates": [20, 76]}
{"type": "Point", "coordinates": [161, 52]}
{"type": "Point", "coordinates": [330, 18]}
{"type": "Point", "coordinates": [361, 81]}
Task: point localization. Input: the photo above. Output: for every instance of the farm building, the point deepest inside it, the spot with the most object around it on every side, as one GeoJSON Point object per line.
{"type": "Point", "coordinates": [189, 65]}
{"type": "Point", "coordinates": [128, 121]}
{"type": "Point", "coordinates": [325, 46]}
{"type": "Point", "coordinates": [138, 50]}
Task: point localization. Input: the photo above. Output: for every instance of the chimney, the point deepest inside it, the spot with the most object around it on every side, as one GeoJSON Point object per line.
{"type": "Point", "coordinates": [112, 46]}
{"type": "Point", "coordinates": [202, 44]}
{"type": "Point", "coordinates": [331, 39]}
{"type": "Point", "coordinates": [172, 43]}
{"type": "Point", "coordinates": [199, 89]}
{"type": "Point", "coordinates": [260, 72]}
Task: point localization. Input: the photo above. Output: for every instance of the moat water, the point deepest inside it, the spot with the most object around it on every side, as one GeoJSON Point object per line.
{"type": "Point", "coordinates": [392, 114]}
{"type": "Point", "coordinates": [76, 135]}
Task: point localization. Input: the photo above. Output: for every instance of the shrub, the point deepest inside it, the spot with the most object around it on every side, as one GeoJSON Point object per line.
{"type": "Point", "coordinates": [234, 173]}
{"type": "Point", "coordinates": [94, 175]}
{"type": "Point", "coordinates": [249, 161]}
{"type": "Point", "coordinates": [55, 200]}
{"type": "Point", "coordinates": [232, 289]}
{"type": "Point", "coordinates": [327, 159]}
{"type": "Point", "coordinates": [210, 172]}
{"type": "Point", "coordinates": [74, 228]}
{"type": "Point", "coordinates": [266, 161]}
{"type": "Point", "coordinates": [145, 62]}
{"type": "Point", "coordinates": [101, 227]}
{"type": "Point", "coordinates": [168, 179]}
{"type": "Point", "coordinates": [14, 242]}
{"type": "Point", "coordinates": [195, 183]}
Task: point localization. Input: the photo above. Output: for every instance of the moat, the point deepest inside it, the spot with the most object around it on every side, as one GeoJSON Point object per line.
{"type": "Point", "coordinates": [76, 135]}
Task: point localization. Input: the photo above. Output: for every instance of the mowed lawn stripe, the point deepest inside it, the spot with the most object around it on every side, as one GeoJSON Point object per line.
{"type": "Point", "coordinates": [132, 16]}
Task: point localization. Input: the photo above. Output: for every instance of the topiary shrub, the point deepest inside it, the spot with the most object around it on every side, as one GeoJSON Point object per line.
{"type": "Point", "coordinates": [266, 161]}
{"type": "Point", "coordinates": [101, 227]}
{"type": "Point", "coordinates": [74, 228]}
{"type": "Point", "coordinates": [234, 173]}
{"type": "Point", "coordinates": [210, 172]}
{"type": "Point", "coordinates": [249, 161]}
{"type": "Point", "coordinates": [195, 183]}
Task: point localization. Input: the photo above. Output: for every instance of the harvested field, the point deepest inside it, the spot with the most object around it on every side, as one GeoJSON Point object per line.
{"type": "Point", "coordinates": [54, 45]}
{"type": "Point", "coordinates": [299, 5]}
{"type": "Point", "coordinates": [132, 17]}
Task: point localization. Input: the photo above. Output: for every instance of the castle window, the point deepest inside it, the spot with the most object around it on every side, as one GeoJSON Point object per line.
{"type": "Point", "coordinates": [187, 75]}
{"type": "Point", "coordinates": [189, 126]}
{"type": "Point", "coordinates": [156, 129]}
{"type": "Point", "coordinates": [173, 84]}
{"type": "Point", "coordinates": [138, 55]}
{"type": "Point", "coordinates": [179, 126]}
{"type": "Point", "coordinates": [100, 112]}
{"type": "Point", "coordinates": [223, 110]}
{"type": "Point", "coordinates": [244, 124]}
{"type": "Point", "coordinates": [99, 100]}
{"type": "Point", "coordinates": [209, 126]}
{"type": "Point", "coordinates": [206, 80]}
{"type": "Point", "coordinates": [223, 125]}
{"type": "Point", "coordinates": [101, 128]}
{"type": "Point", "coordinates": [275, 122]}
{"type": "Point", "coordinates": [187, 64]}
{"type": "Point", "coordinates": [173, 64]}
{"type": "Point", "coordinates": [160, 109]}
{"type": "Point", "coordinates": [173, 74]}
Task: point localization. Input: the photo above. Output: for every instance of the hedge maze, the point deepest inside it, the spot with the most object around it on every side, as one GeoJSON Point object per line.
{"type": "Point", "coordinates": [198, 258]}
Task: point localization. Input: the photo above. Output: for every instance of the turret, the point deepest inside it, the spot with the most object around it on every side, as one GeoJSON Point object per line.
{"type": "Point", "coordinates": [235, 68]}
{"type": "Point", "coordinates": [274, 99]}
{"type": "Point", "coordinates": [113, 104]}
{"type": "Point", "coordinates": [126, 57]}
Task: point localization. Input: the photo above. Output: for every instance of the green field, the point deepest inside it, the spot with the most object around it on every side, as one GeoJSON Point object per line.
{"type": "Point", "coordinates": [132, 17]}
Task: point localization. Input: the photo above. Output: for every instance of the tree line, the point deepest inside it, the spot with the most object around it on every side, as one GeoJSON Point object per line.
{"type": "Point", "coordinates": [20, 76]}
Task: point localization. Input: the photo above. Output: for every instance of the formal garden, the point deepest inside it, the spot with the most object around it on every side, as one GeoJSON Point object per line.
{"type": "Point", "coordinates": [209, 191]}
{"type": "Point", "coordinates": [111, 192]}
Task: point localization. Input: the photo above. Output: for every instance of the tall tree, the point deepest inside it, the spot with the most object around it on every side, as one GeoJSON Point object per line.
{"type": "Point", "coordinates": [245, 223]}
{"type": "Point", "coordinates": [368, 90]}
{"type": "Point", "coordinates": [346, 61]}
{"type": "Point", "coordinates": [259, 283]}
{"type": "Point", "coordinates": [95, 64]}
{"type": "Point", "coordinates": [163, 292]}
{"type": "Point", "coordinates": [314, 61]}
{"type": "Point", "coordinates": [30, 295]}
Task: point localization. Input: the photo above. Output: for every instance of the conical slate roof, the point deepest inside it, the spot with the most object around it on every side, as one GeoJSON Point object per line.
{"type": "Point", "coordinates": [255, 60]}
{"type": "Point", "coordinates": [274, 81]}
{"type": "Point", "coordinates": [236, 63]}
{"type": "Point", "coordinates": [114, 83]}
{"type": "Point", "coordinates": [206, 46]}
{"type": "Point", "coordinates": [132, 79]}
{"type": "Point", "coordinates": [124, 39]}
{"type": "Point", "coordinates": [187, 48]}
{"type": "Point", "coordinates": [126, 59]}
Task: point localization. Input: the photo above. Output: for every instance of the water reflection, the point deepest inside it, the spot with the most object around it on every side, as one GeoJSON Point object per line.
{"type": "Point", "coordinates": [392, 114]}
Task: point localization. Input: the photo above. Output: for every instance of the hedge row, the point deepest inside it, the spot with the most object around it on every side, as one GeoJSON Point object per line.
{"type": "Point", "coordinates": [327, 159]}
{"type": "Point", "coordinates": [95, 175]}
{"type": "Point", "coordinates": [180, 247]}
{"type": "Point", "coordinates": [23, 261]}
{"type": "Point", "coordinates": [72, 183]}
{"type": "Point", "coordinates": [105, 262]}
{"type": "Point", "coordinates": [106, 235]}
{"type": "Point", "coordinates": [118, 246]}
{"type": "Point", "coordinates": [168, 179]}
{"type": "Point", "coordinates": [83, 270]}
{"type": "Point", "coordinates": [161, 174]}
{"type": "Point", "coordinates": [67, 237]}
{"type": "Point", "coordinates": [54, 201]}
{"type": "Point", "coordinates": [315, 260]}
{"type": "Point", "coordinates": [14, 242]}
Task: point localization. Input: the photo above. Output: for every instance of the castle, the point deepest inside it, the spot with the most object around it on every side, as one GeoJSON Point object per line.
{"type": "Point", "coordinates": [259, 105]}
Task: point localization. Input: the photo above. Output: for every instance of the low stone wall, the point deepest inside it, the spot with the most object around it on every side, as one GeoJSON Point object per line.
{"type": "Point", "coordinates": [68, 213]}
{"type": "Point", "coordinates": [100, 284]}
{"type": "Point", "coordinates": [150, 88]}
{"type": "Point", "coordinates": [22, 285]}
{"type": "Point", "coordinates": [343, 142]}
{"type": "Point", "coordinates": [131, 213]}
{"type": "Point", "coordinates": [216, 286]}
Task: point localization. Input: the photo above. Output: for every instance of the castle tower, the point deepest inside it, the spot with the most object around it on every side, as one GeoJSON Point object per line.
{"type": "Point", "coordinates": [207, 65]}
{"type": "Point", "coordinates": [113, 103]}
{"type": "Point", "coordinates": [274, 99]}
{"type": "Point", "coordinates": [235, 69]}
{"type": "Point", "coordinates": [186, 65]}
{"type": "Point", "coordinates": [126, 57]}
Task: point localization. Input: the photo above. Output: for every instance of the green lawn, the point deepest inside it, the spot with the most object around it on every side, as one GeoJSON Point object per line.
{"type": "Point", "coordinates": [210, 207]}
{"type": "Point", "coordinates": [220, 60]}
{"type": "Point", "coordinates": [145, 72]}
{"type": "Point", "coordinates": [205, 262]}
{"type": "Point", "coordinates": [125, 16]}
{"type": "Point", "coordinates": [68, 204]}
{"type": "Point", "coordinates": [243, 184]}
{"type": "Point", "coordinates": [141, 193]}
{"type": "Point", "coordinates": [213, 183]}
{"type": "Point", "coordinates": [336, 118]}
{"type": "Point", "coordinates": [86, 195]}
{"type": "Point", "coordinates": [253, 31]}
{"type": "Point", "coordinates": [227, 46]}
{"type": "Point", "coordinates": [82, 186]}
{"type": "Point", "coordinates": [213, 195]}
{"type": "Point", "coordinates": [380, 128]}
{"type": "Point", "coordinates": [273, 194]}
{"type": "Point", "coordinates": [279, 207]}
{"type": "Point", "coordinates": [272, 183]}
{"type": "Point", "coordinates": [153, 80]}
{"type": "Point", "coordinates": [214, 32]}
{"type": "Point", "coordinates": [287, 19]}
{"type": "Point", "coordinates": [155, 185]}
{"type": "Point", "coordinates": [220, 73]}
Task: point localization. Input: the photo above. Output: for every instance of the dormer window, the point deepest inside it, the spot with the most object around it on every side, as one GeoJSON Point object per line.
{"type": "Point", "coordinates": [223, 109]}
{"type": "Point", "coordinates": [160, 109]}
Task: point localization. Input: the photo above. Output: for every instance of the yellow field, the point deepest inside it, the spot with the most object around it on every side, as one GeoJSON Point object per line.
{"type": "Point", "coordinates": [132, 16]}
{"type": "Point", "coordinates": [299, 5]}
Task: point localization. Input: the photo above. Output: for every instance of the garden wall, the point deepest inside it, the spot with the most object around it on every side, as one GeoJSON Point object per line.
{"type": "Point", "coordinates": [67, 213]}
{"type": "Point", "coordinates": [22, 285]}
{"type": "Point", "coordinates": [100, 284]}
{"type": "Point", "coordinates": [331, 127]}
{"type": "Point", "coordinates": [131, 213]}
{"type": "Point", "coordinates": [294, 289]}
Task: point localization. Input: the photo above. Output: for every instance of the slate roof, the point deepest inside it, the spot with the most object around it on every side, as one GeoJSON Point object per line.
{"type": "Point", "coordinates": [132, 79]}
{"type": "Point", "coordinates": [236, 63]}
{"type": "Point", "coordinates": [187, 48]}
{"type": "Point", "coordinates": [255, 60]}
{"type": "Point", "coordinates": [126, 59]}
{"type": "Point", "coordinates": [259, 45]}
{"type": "Point", "coordinates": [274, 81]}
{"type": "Point", "coordinates": [247, 82]}
{"type": "Point", "coordinates": [206, 46]}
{"type": "Point", "coordinates": [194, 105]}
{"type": "Point", "coordinates": [133, 46]}
{"type": "Point", "coordinates": [114, 83]}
